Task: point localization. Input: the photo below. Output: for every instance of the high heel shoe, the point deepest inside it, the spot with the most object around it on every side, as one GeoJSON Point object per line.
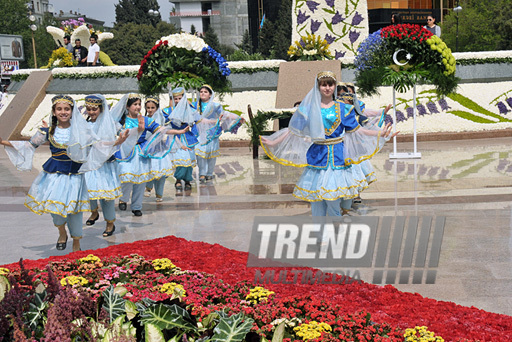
{"type": "Point", "coordinates": [61, 245]}
{"type": "Point", "coordinates": [108, 233]}
{"type": "Point", "coordinates": [92, 221]}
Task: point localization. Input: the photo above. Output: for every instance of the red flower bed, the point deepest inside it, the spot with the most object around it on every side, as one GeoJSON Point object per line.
{"type": "Point", "coordinates": [385, 304]}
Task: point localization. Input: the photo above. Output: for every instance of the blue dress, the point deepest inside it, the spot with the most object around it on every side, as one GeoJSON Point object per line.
{"type": "Point", "coordinates": [180, 157]}
{"type": "Point", "coordinates": [104, 183]}
{"type": "Point", "coordinates": [59, 189]}
{"type": "Point", "coordinates": [137, 168]}
{"type": "Point", "coordinates": [326, 177]}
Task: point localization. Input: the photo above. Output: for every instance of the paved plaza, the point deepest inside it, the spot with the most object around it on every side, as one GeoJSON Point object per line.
{"type": "Point", "coordinates": [467, 181]}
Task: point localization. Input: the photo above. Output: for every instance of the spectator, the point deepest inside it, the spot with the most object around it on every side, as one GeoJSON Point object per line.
{"type": "Point", "coordinates": [396, 19]}
{"type": "Point", "coordinates": [94, 52]}
{"type": "Point", "coordinates": [67, 44]}
{"type": "Point", "coordinates": [80, 53]}
{"type": "Point", "coordinates": [432, 27]}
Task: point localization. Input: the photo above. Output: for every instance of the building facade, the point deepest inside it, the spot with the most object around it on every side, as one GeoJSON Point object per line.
{"type": "Point", "coordinates": [38, 8]}
{"type": "Point", "coordinates": [229, 18]}
{"type": "Point", "coordinates": [411, 11]}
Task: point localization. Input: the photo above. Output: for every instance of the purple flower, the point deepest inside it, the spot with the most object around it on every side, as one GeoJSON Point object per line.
{"type": "Point", "coordinates": [329, 39]}
{"type": "Point", "coordinates": [409, 111]}
{"type": "Point", "coordinates": [315, 25]}
{"type": "Point", "coordinates": [338, 54]}
{"type": "Point", "coordinates": [433, 171]}
{"type": "Point", "coordinates": [302, 17]}
{"type": "Point", "coordinates": [388, 165]}
{"type": "Point", "coordinates": [337, 18]}
{"type": "Point", "coordinates": [302, 43]}
{"type": "Point", "coordinates": [422, 170]}
{"type": "Point", "coordinates": [356, 20]}
{"type": "Point", "coordinates": [330, 3]}
{"type": "Point", "coordinates": [353, 36]}
{"type": "Point", "coordinates": [388, 119]}
{"type": "Point", "coordinates": [443, 104]}
{"type": "Point", "coordinates": [432, 107]}
{"type": "Point", "coordinates": [312, 5]}
{"type": "Point", "coordinates": [509, 101]}
{"type": "Point", "coordinates": [443, 174]}
{"type": "Point", "coordinates": [502, 108]}
{"type": "Point", "coordinates": [400, 116]}
{"type": "Point", "coordinates": [400, 166]}
{"type": "Point", "coordinates": [421, 109]}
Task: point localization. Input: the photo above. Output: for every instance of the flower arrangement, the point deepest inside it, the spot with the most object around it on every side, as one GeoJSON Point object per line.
{"type": "Point", "coordinates": [185, 60]}
{"type": "Point", "coordinates": [402, 56]}
{"type": "Point", "coordinates": [70, 25]}
{"type": "Point", "coordinates": [65, 301]}
{"type": "Point", "coordinates": [309, 48]}
{"type": "Point", "coordinates": [61, 58]}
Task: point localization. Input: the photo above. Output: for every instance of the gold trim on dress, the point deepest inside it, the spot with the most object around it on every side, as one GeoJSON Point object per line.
{"type": "Point", "coordinates": [332, 141]}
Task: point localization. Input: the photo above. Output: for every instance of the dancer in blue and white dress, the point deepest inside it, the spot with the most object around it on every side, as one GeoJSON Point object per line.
{"type": "Point", "coordinates": [365, 117]}
{"type": "Point", "coordinates": [60, 189]}
{"type": "Point", "coordinates": [103, 183]}
{"type": "Point", "coordinates": [324, 137]}
{"type": "Point", "coordinates": [184, 159]}
{"type": "Point", "coordinates": [152, 106]}
{"type": "Point", "coordinates": [135, 168]}
{"type": "Point", "coordinates": [214, 120]}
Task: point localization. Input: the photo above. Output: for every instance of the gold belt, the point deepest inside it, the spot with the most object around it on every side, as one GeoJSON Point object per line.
{"type": "Point", "coordinates": [332, 141]}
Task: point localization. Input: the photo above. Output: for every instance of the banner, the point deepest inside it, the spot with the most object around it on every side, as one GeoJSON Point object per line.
{"type": "Point", "coordinates": [11, 47]}
{"type": "Point", "coordinates": [7, 68]}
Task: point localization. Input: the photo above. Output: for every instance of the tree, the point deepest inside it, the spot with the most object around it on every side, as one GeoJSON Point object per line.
{"type": "Point", "coordinates": [211, 38]}
{"type": "Point", "coordinates": [266, 38]}
{"type": "Point", "coordinates": [193, 29]}
{"type": "Point", "coordinates": [246, 44]}
{"type": "Point", "coordinates": [503, 23]}
{"type": "Point", "coordinates": [137, 11]}
{"type": "Point", "coordinates": [132, 41]}
{"type": "Point", "coordinates": [475, 32]}
{"type": "Point", "coordinates": [283, 31]}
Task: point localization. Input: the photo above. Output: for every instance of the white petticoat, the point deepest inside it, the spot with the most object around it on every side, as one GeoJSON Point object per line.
{"type": "Point", "coordinates": [330, 184]}
{"type": "Point", "coordinates": [104, 183]}
{"type": "Point", "coordinates": [57, 193]}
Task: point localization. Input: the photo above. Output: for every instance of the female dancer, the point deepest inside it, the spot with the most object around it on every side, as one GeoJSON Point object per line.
{"type": "Point", "coordinates": [213, 121]}
{"type": "Point", "coordinates": [103, 183]}
{"type": "Point", "coordinates": [152, 105]}
{"type": "Point", "coordinates": [324, 137]}
{"type": "Point", "coordinates": [365, 117]}
{"type": "Point", "coordinates": [60, 188]}
{"type": "Point", "coordinates": [135, 168]}
{"type": "Point", "coordinates": [184, 158]}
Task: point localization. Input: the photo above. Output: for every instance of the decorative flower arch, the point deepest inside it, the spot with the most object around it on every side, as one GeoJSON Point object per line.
{"type": "Point", "coordinates": [185, 60]}
{"type": "Point", "coordinates": [402, 56]}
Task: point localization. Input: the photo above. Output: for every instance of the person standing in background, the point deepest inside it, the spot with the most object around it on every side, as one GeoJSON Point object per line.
{"type": "Point", "coordinates": [67, 44]}
{"type": "Point", "coordinates": [432, 27]}
{"type": "Point", "coordinates": [80, 53]}
{"type": "Point", "coordinates": [93, 55]}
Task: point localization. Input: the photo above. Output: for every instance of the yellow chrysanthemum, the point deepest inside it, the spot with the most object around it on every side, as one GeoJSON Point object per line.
{"type": "Point", "coordinates": [173, 288]}
{"type": "Point", "coordinates": [73, 280]}
{"type": "Point", "coordinates": [258, 294]}
{"type": "Point", "coordinates": [421, 334]}
{"type": "Point", "coordinates": [163, 264]}
{"type": "Point", "coordinates": [311, 330]}
{"type": "Point", "coordinates": [4, 271]}
{"type": "Point", "coordinates": [90, 259]}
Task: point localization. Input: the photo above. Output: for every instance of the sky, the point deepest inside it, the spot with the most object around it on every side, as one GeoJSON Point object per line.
{"type": "Point", "coordinates": [101, 9]}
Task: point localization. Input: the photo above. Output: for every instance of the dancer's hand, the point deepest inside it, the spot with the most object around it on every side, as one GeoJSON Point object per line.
{"type": "Point", "coordinates": [45, 124]}
{"type": "Point", "coordinates": [122, 137]}
{"type": "Point", "coordinates": [386, 132]}
{"type": "Point", "coordinates": [142, 124]}
{"type": "Point", "coordinates": [183, 147]}
{"type": "Point", "coordinates": [388, 108]}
